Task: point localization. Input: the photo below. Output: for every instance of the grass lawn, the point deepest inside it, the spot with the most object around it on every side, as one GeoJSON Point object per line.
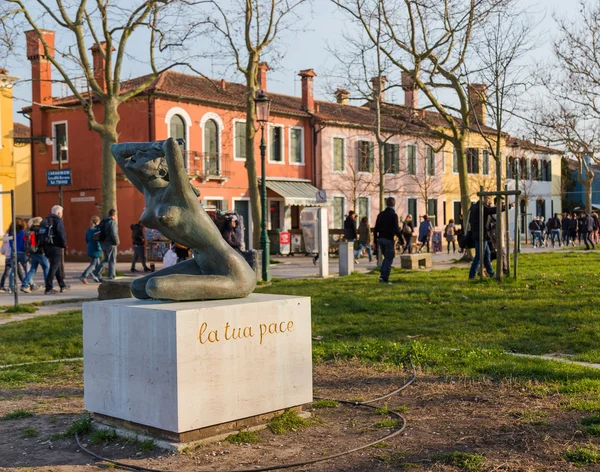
{"type": "Point", "coordinates": [449, 325]}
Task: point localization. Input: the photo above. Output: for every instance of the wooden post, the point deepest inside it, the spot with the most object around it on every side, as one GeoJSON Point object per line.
{"type": "Point", "coordinates": [506, 234]}
{"type": "Point", "coordinates": [481, 228]}
{"type": "Point", "coordinates": [517, 247]}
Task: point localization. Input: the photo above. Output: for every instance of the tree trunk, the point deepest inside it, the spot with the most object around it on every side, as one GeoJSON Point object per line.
{"type": "Point", "coordinates": [255, 197]}
{"type": "Point", "coordinates": [589, 180]}
{"type": "Point", "coordinates": [109, 137]}
{"type": "Point", "coordinates": [499, 219]}
{"type": "Point", "coordinates": [463, 182]}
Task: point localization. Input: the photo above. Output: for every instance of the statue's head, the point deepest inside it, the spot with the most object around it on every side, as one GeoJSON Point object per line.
{"type": "Point", "coordinates": [150, 164]}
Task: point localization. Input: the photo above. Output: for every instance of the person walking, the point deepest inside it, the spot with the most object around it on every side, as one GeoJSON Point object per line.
{"type": "Point", "coordinates": [479, 251]}
{"type": "Point", "coordinates": [580, 230]}
{"type": "Point", "coordinates": [54, 239]}
{"type": "Point", "coordinates": [93, 249]}
{"type": "Point", "coordinates": [18, 242]}
{"type": "Point", "coordinates": [564, 224]}
{"type": "Point", "coordinates": [536, 231]}
{"type": "Point", "coordinates": [230, 234]}
{"type": "Point", "coordinates": [588, 231]}
{"type": "Point", "coordinates": [573, 226]}
{"type": "Point", "coordinates": [364, 239]}
{"type": "Point", "coordinates": [450, 235]}
{"type": "Point", "coordinates": [425, 232]}
{"type": "Point", "coordinates": [138, 241]}
{"type": "Point", "coordinates": [109, 240]}
{"type": "Point", "coordinates": [35, 253]}
{"type": "Point", "coordinates": [386, 229]}
{"type": "Point", "coordinates": [350, 233]}
{"type": "Point", "coordinates": [407, 234]}
{"type": "Point", "coordinates": [554, 225]}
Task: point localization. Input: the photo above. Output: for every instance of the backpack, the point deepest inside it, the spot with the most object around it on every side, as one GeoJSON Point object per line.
{"type": "Point", "coordinates": [100, 234]}
{"type": "Point", "coordinates": [31, 242]}
{"type": "Point", "coordinates": [45, 233]}
{"type": "Point", "coordinates": [449, 231]}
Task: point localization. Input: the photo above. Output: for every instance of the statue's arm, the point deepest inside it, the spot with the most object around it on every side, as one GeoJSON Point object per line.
{"type": "Point", "coordinates": [178, 176]}
{"type": "Point", "coordinates": [124, 151]}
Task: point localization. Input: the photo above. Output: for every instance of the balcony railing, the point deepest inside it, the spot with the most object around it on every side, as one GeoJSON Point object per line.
{"type": "Point", "coordinates": [208, 165]}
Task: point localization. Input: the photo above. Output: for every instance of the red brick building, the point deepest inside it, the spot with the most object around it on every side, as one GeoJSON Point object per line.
{"type": "Point", "coordinates": [209, 115]}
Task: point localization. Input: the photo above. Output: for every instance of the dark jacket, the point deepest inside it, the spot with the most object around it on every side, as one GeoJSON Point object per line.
{"type": "Point", "coordinates": [93, 247]}
{"type": "Point", "coordinates": [535, 225]}
{"type": "Point", "coordinates": [588, 223]}
{"type": "Point", "coordinates": [59, 235]}
{"type": "Point", "coordinates": [137, 234]}
{"type": "Point", "coordinates": [232, 237]}
{"type": "Point", "coordinates": [566, 223]}
{"type": "Point", "coordinates": [387, 224]}
{"type": "Point", "coordinates": [350, 229]}
{"type": "Point", "coordinates": [364, 233]}
{"type": "Point", "coordinates": [474, 219]}
{"type": "Point", "coordinates": [111, 231]}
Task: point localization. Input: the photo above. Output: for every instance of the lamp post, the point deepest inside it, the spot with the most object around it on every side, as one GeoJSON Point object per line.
{"type": "Point", "coordinates": [62, 147]}
{"type": "Point", "coordinates": [262, 105]}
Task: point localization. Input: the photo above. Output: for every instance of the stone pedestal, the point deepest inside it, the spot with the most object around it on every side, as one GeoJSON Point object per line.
{"type": "Point", "coordinates": [179, 368]}
{"type": "Point", "coordinates": [346, 251]}
{"type": "Point", "coordinates": [414, 261]}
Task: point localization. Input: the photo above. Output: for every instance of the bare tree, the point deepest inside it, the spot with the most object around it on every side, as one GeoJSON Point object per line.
{"type": "Point", "coordinates": [250, 29]}
{"type": "Point", "coordinates": [431, 40]}
{"type": "Point", "coordinates": [108, 26]}
{"type": "Point", "coordinates": [505, 39]}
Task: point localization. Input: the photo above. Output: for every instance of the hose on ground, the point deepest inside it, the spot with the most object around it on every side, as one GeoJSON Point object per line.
{"type": "Point", "coordinates": [367, 404]}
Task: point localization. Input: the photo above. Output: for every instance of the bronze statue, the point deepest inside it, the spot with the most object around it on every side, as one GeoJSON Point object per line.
{"type": "Point", "coordinates": [215, 271]}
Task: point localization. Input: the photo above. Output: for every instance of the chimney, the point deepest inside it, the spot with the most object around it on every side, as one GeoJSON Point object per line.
{"type": "Point", "coordinates": [99, 60]}
{"type": "Point", "coordinates": [342, 96]}
{"type": "Point", "coordinates": [477, 98]}
{"type": "Point", "coordinates": [41, 68]}
{"type": "Point", "coordinates": [308, 100]}
{"type": "Point", "coordinates": [223, 84]}
{"type": "Point", "coordinates": [411, 94]}
{"type": "Point", "coordinates": [263, 68]}
{"type": "Point", "coordinates": [379, 87]}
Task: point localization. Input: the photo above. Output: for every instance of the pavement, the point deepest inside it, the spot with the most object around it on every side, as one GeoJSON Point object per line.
{"type": "Point", "coordinates": [288, 267]}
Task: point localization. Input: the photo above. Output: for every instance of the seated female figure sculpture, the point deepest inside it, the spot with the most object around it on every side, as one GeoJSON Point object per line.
{"type": "Point", "coordinates": [215, 271]}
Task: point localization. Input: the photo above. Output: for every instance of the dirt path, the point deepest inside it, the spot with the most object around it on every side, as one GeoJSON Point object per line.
{"type": "Point", "coordinates": [515, 430]}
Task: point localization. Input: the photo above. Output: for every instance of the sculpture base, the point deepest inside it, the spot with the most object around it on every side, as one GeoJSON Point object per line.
{"type": "Point", "coordinates": [177, 368]}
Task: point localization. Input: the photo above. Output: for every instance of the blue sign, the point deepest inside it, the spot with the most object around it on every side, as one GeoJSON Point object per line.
{"type": "Point", "coordinates": [58, 177]}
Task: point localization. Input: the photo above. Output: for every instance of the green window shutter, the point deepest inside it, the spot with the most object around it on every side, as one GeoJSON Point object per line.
{"type": "Point", "coordinates": [240, 140]}
{"type": "Point", "coordinates": [371, 158]}
{"type": "Point", "coordinates": [395, 159]}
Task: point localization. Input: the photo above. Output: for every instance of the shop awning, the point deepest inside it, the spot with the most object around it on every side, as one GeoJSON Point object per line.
{"type": "Point", "coordinates": [295, 193]}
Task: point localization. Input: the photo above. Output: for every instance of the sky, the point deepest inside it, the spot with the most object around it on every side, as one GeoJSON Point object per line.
{"type": "Point", "coordinates": [302, 50]}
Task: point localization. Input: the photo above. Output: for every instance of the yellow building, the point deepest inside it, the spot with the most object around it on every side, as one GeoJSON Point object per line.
{"type": "Point", "coordinates": [15, 157]}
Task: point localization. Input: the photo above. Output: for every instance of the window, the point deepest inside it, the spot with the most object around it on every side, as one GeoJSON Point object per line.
{"type": "Point", "coordinates": [456, 212]}
{"type": "Point", "coordinates": [430, 161]}
{"type": "Point", "coordinates": [60, 141]}
{"type": "Point", "coordinates": [276, 144]}
{"type": "Point", "coordinates": [540, 207]}
{"type": "Point", "coordinates": [212, 163]}
{"type": "Point", "coordinates": [510, 162]}
{"type": "Point", "coordinates": [296, 146]}
{"type": "Point", "coordinates": [218, 204]}
{"type": "Point", "coordinates": [412, 210]}
{"type": "Point", "coordinates": [363, 208]}
{"type": "Point", "coordinates": [524, 169]}
{"type": "Point", "coordinates": [485, 162]}
{"type": "Point", "coordinates": [338, 212]}
{"type": "Point", "coordinates": [454, 161]}
{"type": "Point", "coordinates": [547, 171]}
{"type": "Point", "coordinates": [366, 156]}
{"type": "Point", "coordinates": [339, 155]}
{"type": "Point", "coordinates": [177, 128]}
{"type": "Point", "coordinates": [472, 161]}
{"type": "Point", "coordinates": [240, 139]}
{"type": "Point", "coordinates": [391, 153]}
{"type": "Point", "coordinates": [411, 160]}
{"type": "Point", "coordinates": [432, 210]}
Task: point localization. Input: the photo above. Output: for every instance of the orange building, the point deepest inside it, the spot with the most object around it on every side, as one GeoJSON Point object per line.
{"type": "Point", "coordinates": [209, 115]}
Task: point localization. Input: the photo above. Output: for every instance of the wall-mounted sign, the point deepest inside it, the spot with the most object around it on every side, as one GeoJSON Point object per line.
{"type": "Point", "coordinates": [58, 177]}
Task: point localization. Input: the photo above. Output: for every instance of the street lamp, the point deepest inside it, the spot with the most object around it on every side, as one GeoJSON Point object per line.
{"type": "Point", "coordinates": [262, 105]}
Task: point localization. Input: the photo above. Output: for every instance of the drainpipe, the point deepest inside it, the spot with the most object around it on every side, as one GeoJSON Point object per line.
{"type": "Point", "coordinates": [150, 118]}
{"type": "Point", "coordinates": [314, 142]}
{"type": "Point", "coordinates": [32, 153]}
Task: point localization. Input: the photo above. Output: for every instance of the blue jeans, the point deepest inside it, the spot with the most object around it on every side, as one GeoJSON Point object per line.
{"type": "Point", "coordinates": [487, 260]}
{"type": "Point", "coordinates": [536, 235]}
{"type": "Point", "coordinates": [110, 258]}
{"type": "Point", "coordinates": [555, 234]}
{"type": "Point", "coordinates": [359, 251]}
{"type": "Point", "coordinates": [386, 246]}
{"type": "Point", "coordinates": [36, 261]}
{"type": "Point", "coordinates": [22, 269]}
{"type": "Point", "coordinates": [93, 267]}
